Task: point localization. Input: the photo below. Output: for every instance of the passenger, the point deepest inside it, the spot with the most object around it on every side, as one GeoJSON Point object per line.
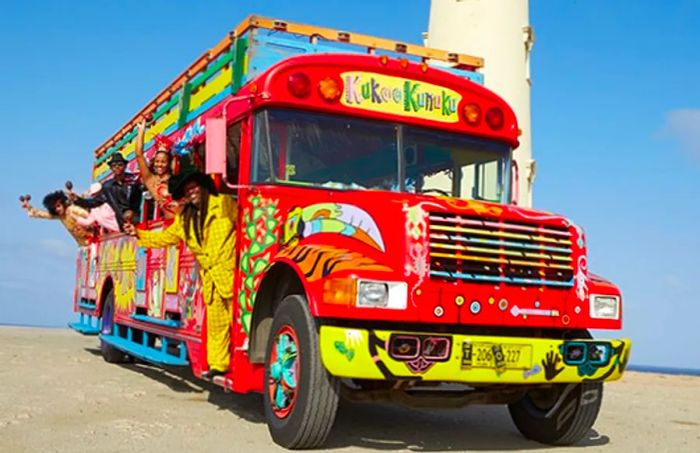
{"type": "Point", "coordinates": [123, 193]}
{"type": "Point", "coordinates": [103, 214]}
{"type": "Point", "coordinates": [156, 175]}
{"type": "Point", "coordinates": [58, 208]}
{"type": "Point", "coordinates": [207, 225]}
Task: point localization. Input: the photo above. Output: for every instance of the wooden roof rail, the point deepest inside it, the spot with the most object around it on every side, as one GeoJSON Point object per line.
{"type": "Point", "coordinates": [371, 43]}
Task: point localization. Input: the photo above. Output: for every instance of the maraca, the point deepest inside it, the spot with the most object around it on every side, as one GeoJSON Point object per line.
{"type": "Point", "coordinates": [69, 185]}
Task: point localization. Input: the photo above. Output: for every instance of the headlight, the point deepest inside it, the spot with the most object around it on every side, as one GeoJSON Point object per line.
{"type": "Point", "coordinates": [605, 307]}
{"type": "Point", "coordinates": [378, 294]}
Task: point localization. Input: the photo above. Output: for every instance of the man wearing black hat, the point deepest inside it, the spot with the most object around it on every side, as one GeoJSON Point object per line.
{"type": "Point", "coordinates": [207, 224]}
{"type": "Point", "coordinates": [123, 192]}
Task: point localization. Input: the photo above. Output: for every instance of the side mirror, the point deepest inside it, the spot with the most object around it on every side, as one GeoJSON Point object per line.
{"type": "Point", "coordinates": [515, 186]}
{"type": "Point", "coordinates": [215, 148]}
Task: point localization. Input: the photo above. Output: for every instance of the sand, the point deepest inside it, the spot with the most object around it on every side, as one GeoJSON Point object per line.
{"type": "Point", "coordinates": [58, 395]}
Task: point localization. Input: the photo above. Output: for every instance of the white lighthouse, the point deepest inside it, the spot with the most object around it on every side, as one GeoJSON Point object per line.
{"type": "Point", "coordinates": [500, 32]}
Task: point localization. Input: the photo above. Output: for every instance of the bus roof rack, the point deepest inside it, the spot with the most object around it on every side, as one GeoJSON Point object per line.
{"type": "Point", "coordinates": [127, 131]}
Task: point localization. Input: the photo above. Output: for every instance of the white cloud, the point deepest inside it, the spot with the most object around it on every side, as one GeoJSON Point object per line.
{"type": "Point", "coordinates": [684, 125]}
{"type": "Point", "coordinates": [60, 249]}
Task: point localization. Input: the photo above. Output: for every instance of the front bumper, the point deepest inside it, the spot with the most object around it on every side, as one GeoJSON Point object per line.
{"type": "Point", "coordinates": [469, 359]}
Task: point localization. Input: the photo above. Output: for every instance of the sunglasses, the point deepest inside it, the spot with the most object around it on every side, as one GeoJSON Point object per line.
{"type": "Point", "coordinates": [117, 164]}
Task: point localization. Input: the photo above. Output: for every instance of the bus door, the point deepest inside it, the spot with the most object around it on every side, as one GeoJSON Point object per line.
{"type": "Point", "coordinates": [155, 275]}
{"type": "Point", "coordinates": [162, 276]}
{"type": "Point", "coordinates": [87, 274]}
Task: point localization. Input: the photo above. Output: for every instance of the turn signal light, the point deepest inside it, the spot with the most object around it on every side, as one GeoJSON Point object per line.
{"type": "Point", "coordinates": [339, 291]}
{"type": "Point", "coordinates": [299, 85]}
{"type": "Point", "coordinates": [472, 114]}
{"type": "Point", "coordinates": [329, 89]}
{"type": "Point", "coordinates": [494, 118]}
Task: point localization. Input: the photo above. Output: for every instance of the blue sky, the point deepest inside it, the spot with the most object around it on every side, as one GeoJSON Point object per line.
{"type": "Point", "coordinates": [616, 132]}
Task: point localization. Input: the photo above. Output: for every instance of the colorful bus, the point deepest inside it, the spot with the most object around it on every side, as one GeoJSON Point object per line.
{"type": "Point", "coordinates": [380, 255]}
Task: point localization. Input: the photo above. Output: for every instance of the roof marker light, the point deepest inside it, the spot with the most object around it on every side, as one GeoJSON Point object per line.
{"type": "Point", "coordinates": [299, 85]}
{"type": "Point", "coordinates": [329, 89]}
{"type": "Point", "coordinates": [472, 114]}
{"type": "Point", "coordinates": [494, 118]}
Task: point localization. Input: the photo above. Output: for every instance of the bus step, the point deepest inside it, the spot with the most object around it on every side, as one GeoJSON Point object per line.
{"type": "Point", "coordinates": [86, 305]}
{"type": "Point", "coordinates": [146, 353]}
{"type": "Point", "coordinates": [86, 324]}
{"type": "Point", "coordinates": [224, 381]}
{"type": "Point", "coordinates": [161, 322]}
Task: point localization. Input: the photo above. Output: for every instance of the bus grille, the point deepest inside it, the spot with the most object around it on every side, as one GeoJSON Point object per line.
{"type": "Point", "coordinates": [487, 250]}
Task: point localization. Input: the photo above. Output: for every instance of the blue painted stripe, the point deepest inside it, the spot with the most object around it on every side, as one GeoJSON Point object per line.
{"type": "Point", "coordinates": [508, 243]}
{"type": "Point", "coordinates": [269, 49]}
{"type": "Point", "coordinates": [502, 279]}
{"type": "Point", "coordinates": [475, 77]}
{"type": "Point", "coordinates": [86, 324]}
{"type": "Point", "coordinates": [144, 352]}
{"type": "Point", "coordinates": [209, 104]}
{"type": "Point", "coordinates": [85, 329]}
{"type": "Point", "coordinates": [160, 322]}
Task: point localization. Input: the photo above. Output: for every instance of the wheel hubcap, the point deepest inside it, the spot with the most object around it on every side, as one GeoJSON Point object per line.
{"type": "Point", "coordinates": [284, 371]}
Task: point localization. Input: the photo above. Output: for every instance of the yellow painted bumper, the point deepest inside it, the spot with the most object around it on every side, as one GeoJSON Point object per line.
{"type": "Point", "coordinates": [387, 355]}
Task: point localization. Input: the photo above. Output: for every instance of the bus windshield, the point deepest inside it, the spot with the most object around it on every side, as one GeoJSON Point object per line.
{"type": "Point", "coordinates": [341, 152]}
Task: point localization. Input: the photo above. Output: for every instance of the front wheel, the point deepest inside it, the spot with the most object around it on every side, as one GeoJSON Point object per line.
{"type": "Point", "coordinates": [561, 415]}
{"type": "Point", "coordinates": [300, 397]}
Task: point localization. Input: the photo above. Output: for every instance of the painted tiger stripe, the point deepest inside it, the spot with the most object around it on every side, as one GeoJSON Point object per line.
{"type": "Point", "coordinates": [320, 261]}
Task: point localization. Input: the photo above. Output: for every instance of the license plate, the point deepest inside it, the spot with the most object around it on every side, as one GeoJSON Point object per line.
{"type": "Point", "coordinates": [497, 356]}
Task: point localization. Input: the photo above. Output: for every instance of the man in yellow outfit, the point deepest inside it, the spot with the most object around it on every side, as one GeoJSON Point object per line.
{"type": "Point", "coordinates": [207, 225]}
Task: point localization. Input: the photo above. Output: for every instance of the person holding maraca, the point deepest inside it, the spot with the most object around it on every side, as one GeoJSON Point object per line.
{"type": "Point", "coordinates": [58, 207]}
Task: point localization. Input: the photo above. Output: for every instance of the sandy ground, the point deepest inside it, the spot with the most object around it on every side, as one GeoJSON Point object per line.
{"type": "Point", "coordinates": [58, 395]}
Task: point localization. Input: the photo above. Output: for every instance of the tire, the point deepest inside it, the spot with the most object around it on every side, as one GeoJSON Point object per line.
{"type": "Point", "coordinates": [109, 352]}
{"type": "Point", "coordinates": [300, 397]}
{"type": "Point", "coordinates": [574, 409]}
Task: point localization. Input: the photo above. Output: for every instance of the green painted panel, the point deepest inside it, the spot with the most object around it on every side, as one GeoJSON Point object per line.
{"type": "Point", "coordinates": [240, 49]}
{"type": "Point", "coordinates": [184, 106]}
{"type": "Point", "coordinates": [211, 70]}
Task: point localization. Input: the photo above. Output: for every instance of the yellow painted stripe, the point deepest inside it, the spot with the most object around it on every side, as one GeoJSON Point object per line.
{"type": "Point", "coordinates": [100, 170]}
{"type": "Point", "coordinates": [530, 237]}
{"type": "Point", "coordinates": [501, 252]}
{"type": "Point", "coordinates": [163, 123]}
{"type": "Point", "coordinates": [486, 259]}
{"type": "Point", "coordinates": [210, 89]}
